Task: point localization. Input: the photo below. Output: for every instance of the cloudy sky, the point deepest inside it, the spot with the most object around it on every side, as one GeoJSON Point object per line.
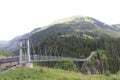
{"type": "Point", "coordinates": [20, 16]}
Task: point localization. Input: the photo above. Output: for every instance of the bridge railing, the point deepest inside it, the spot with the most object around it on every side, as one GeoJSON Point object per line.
{"type": "Point", "coordinates": [44, 58]}
{"type": "Point", "coordinates": [35, 58]}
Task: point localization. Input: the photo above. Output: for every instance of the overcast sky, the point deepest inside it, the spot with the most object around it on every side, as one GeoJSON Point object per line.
{"type": "Point", "coordinates": [20, 16]}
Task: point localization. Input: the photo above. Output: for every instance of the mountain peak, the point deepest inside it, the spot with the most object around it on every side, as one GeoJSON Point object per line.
{"type": "Point", "coordinates": [74, 19]}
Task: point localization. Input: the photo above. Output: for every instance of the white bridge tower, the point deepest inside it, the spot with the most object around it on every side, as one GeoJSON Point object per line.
{"type": "Point", "coordinates": [25, 50]}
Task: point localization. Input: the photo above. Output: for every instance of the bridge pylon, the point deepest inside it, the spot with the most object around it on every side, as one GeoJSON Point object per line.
{"type": "Point", "coordinates": [24, 53]}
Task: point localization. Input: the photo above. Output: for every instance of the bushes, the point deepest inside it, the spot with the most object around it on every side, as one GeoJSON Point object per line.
{"type": "Point", "coordinates": [66, 65]}
{"type": "Point", "coordinates": [107, 73]}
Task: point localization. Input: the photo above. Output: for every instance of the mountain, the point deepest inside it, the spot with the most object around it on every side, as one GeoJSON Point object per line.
{"type": "Point", "coordinates": [3, 43]}
{"type": "Point", "coordinates": [13, 45]}
{"type": "Point", "coordinates": [116, 27]}
{"type": "Point", "coordinates": [76, 25]}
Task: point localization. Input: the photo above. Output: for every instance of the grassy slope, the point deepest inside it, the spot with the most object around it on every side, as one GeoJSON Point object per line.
{"type": "Point", "coordinates": [51, 74]}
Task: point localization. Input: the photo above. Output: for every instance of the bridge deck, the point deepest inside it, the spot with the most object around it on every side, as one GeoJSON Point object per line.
{"type": "Point", "coordinates": [40, 58]}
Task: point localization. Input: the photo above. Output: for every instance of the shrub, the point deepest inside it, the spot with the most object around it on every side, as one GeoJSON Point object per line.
{"type": "Point", "coordinates": [114, 79]}
{"type": "Point", "coordinates": [107, 73]}
{"type": "Point", "coordinates": [66, 64]}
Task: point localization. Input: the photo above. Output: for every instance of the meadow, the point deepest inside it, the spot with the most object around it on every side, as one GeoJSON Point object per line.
{"type": "Point", "coordinates": [44, 73]}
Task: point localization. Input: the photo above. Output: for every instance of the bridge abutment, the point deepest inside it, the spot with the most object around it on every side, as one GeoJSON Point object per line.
{"type": "Point", "coordinates": [29, 65]}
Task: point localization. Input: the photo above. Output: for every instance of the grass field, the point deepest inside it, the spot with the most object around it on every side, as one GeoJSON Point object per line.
{"type": "Point", "coordinates": [42, 73]}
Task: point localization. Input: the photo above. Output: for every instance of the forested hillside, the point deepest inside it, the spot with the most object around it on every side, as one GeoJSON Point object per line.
{"type": "Point", "coordinates": [78, 37]}
{"type": "Point", "coordinates": [107, 55]}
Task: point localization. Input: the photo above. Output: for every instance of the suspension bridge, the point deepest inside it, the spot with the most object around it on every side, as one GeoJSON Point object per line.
{"type": "Point", "coordinates": [28, 58]}
{"type": "Point", "coordinates": [25, 56]}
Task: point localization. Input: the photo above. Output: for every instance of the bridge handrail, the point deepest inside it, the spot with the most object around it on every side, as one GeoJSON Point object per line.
{"type": "Point", "coordinates": [35, 58]}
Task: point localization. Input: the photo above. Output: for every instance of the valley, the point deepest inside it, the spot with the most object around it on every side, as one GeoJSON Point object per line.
{"type": "Point", "coordinates": [74, 37]}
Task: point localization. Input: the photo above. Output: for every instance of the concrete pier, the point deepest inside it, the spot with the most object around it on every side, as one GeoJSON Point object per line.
{"type": "Point", "coordinates": [28, 65]}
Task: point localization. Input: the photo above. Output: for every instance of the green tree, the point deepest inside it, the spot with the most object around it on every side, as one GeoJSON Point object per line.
{"type": "Point", "coordinates": [66, 65]}
{"type": "Point", "coordinates": [5, 53]}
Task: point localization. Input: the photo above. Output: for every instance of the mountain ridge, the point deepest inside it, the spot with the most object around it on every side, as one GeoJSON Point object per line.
{"type": "Point", "coordinates": [75, 25]}
{"type": "Point", "coordinates": [72, 25]}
